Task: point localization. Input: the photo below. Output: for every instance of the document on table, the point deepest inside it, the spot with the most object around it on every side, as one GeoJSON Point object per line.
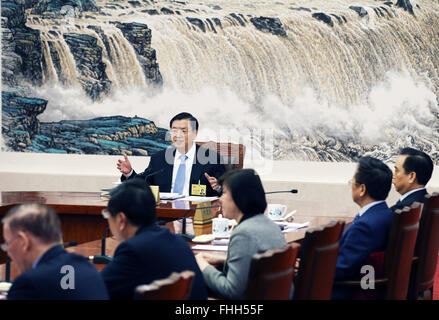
{"type": "Point", "coordinates": [170, 196]}
{"type": "Point", "coordinates": [209, 247]}
{"type": "Point", "coordinates": [199, 199]}
{"type": "Point", "coordinates": [291, 226]}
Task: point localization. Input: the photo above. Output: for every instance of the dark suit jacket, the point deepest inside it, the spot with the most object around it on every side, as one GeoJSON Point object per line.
{"type": "Point", "coordinates": [418, 196]}
{"type": "Point", "coordinates": [152, 254]}
{"type": "Point", "coordinates": [159, 171]}
{"type": "Point", "coordinates": [44, 282]}
{"type": "Point", "coordinates": [369, 233]}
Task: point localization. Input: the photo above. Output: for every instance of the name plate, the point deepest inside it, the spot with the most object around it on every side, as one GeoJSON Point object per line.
{"type": "Point", "coordinates": [156, 192]}
{"type": "Point", "coordinates": [203, 216]}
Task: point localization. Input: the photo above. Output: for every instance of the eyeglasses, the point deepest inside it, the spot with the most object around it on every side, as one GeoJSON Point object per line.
{"type": "Point", "coordinates": [5, 246]}
{"type": "Point", "coordinates": [351, 181]}
{"type": "Point", "coordinates": [105, 213]}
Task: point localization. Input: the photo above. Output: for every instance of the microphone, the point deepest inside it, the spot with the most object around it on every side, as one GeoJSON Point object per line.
{"type": "Point", "coordinates": [8, 270]}
{"type": "Point", "coordinates": [189, 237]}
{"type": "Point", "coordinates": [103, 258]}
{"type": "Point", "coordinates": [283, 191]}
{"type": "Point", "coordinates": [152, 174]}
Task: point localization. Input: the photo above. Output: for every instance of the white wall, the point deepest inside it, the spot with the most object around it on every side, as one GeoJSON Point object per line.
{"type": "Point", "coordinates": [316, 181]}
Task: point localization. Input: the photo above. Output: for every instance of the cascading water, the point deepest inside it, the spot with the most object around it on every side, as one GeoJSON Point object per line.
{"type": "Point", "coordinates": [367, 83]}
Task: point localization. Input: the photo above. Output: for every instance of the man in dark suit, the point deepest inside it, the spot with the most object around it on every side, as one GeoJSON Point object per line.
{"type": "Point", "coordinates": [33, 241]}
{"type": "Point", "coordinates": [413, 170]}
{"type": "Point", "coordinates": [182, 165]}
{"type": "Point", "coordinates": [147, 252]}
{"type": "Point", "coordinates": [370, 229]}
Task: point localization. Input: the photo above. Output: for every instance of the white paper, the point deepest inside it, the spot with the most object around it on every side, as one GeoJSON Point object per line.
{"type": "Point", "coordinates": [199, 199]}
{"type": "Point", "coordinates": [291, 226]}
{"type": "Point", "coordinates": [170, 195]}
{"type": "Point", "coordinates": [209, 247]}
{"type": "Point", "coordinates": [220, 242]}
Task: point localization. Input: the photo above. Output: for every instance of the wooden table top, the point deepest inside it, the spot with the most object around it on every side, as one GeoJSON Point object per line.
{"type": "Point", "coordinates": [90, 203]}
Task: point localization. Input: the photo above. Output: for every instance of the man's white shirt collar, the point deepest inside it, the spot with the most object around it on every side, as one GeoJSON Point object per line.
{"type": "Point", "coordinates": [190, 154]}
{"type": "Point", "coordinates": [368, 206]}
{"type": "Point", "coordinates": [405, 195]}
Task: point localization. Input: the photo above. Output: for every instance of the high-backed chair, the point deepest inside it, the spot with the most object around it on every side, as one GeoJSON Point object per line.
{"type": "Point", "coordinates": [393, 265]}
{"type": "Point", "coordinates": [271, 274]}
{"type": "Point", "coordinates": [426, 250]}
{"type": "Point", "coordinates": [176, 287]}
{"type": "Point", "coordinates": [232, 154]}
{"type": "Point", "coordinates": [317, 262]}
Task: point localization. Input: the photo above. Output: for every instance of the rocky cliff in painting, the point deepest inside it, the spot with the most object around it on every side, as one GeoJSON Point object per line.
{"type": "Point", "coordinates": [114, 135]}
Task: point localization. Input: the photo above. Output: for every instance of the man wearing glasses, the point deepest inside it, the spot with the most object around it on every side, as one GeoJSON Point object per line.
{"type": "Point", "coordinates": [33, 238]}
{"type": "Point", "coordinates": [183, 165]}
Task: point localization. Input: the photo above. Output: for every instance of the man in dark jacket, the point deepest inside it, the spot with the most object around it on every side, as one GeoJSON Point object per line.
{"type": "Point", "coordinates": [370, 229]}
{"type": "Point", "coordinates": [182, 165]}
{"type": "Point", "coordinates": [413, 170]}
{"type": "Point", "coordinates": [33, 241]}
{"type": "Point", "coordinates": [147, 252]}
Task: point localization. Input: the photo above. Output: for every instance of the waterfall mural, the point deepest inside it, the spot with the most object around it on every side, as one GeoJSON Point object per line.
{"type": "Point", "coordinates": [325, 80]}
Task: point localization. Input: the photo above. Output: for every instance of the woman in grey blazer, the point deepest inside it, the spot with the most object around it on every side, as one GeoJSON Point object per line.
{"type": "Point", "coordinates": [243, 199]}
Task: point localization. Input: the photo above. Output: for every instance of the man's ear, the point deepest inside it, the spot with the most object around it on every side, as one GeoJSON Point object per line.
{"type": "Point", "coordinates": [122, 220]}
{"type": "Point", "coordinates": [25, 240]}
{"type": "Point", "coordinates": [412, 177]}
{"type": "Point", "coordinates": [363, 190]}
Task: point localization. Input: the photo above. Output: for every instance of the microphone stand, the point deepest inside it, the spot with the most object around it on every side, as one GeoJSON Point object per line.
{"type": "Point", "coordinates": [284, 191]}
{"type": "Point", "coordinates": [103, 258]}
{"type": "Point", "coordinates": [8, 270]}
{"type": "Point", "coordinates": [189, 237]}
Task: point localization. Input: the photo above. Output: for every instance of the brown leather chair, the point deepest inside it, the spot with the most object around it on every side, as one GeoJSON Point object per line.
{"type": "Point", "coordinates": [232, 154]}
{"type": "Point", "coordinates": [395, 262]}
{"type": "Point", "coordinates": [317, 262]}
{"type": "Point", "coordinates": [271, 274]}
{"type": "Point", "coordinates": [176, 287]}
{"type": "Point", "coordinates": [426, 251]}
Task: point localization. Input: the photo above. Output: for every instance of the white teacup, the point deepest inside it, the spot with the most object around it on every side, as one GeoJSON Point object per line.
{"type": "Point", "coordinates": [220, 226]}
{"type": "Point", "coordinates": [276, 211]}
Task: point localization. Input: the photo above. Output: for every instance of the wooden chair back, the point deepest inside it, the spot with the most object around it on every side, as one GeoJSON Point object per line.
{"type": "Point", "coordinates": [271, 274]}
{"type": "Point", "coordinates": [426, 249]}
{"type": "Point", "coordinates": [317, 262]}
{"type": "Point", "coordinates": [400, 249]}
{"type": "Point", "coordinates": [232, 154]}
{"type": "Point", "coordinates": [176, 287]}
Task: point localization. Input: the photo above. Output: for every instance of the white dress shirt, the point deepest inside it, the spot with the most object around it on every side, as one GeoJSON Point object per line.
{"type": "Point", "coordinates": [189, 161]}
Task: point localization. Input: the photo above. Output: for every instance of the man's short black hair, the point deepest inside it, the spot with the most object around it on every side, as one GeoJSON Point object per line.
{"type": "Point", "coordinates": [419, 162]}
{"type": "Point", "coordinates": [247, 191]}
{"type": "Point", "coordinates": [135, 199]}
{"type": "Point", "coordinates": [376, 176]}
{"type": "Point", "coordinates": [37, 219]}
{"type": "Point", "coordinates": [185, 115]}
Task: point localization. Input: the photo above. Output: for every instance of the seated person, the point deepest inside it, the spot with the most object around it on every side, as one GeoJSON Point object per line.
{"type": "Point", "coordinates": [33, 238]}
{"type": "Point", "coordinates": [183, 164]}
{"type": "Point", "coordinates": [413, 170]}
{"type": "Point", "coordinates": [147, 252]}
{"type": "Point", "coordinates": [243, 199]}
{"type": "Point", "coordinates": [370, 229]}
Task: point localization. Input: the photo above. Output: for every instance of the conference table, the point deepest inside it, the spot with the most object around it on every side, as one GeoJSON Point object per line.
{"type": "Point", "coordinates": [82, 222]}
{"type": "Point", "coordinates": [80, 212]}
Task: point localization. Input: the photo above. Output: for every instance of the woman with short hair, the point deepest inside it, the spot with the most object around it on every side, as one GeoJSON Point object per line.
{"type": "Point", "coordinates": [243, 199]}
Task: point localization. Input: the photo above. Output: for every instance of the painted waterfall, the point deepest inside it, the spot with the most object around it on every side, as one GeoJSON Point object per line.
{"type": "Point", "coordinates": [326, 80]}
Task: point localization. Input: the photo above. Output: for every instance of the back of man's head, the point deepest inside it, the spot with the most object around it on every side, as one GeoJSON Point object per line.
{"type": "Point", "coordinates": [38, 219]}
{"type": "Point", "coordinates": [419, 162]}
{"type": "Point", "coordinates": [135, 199]}
{"type": "Point", "coordinates": [376, 176]}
